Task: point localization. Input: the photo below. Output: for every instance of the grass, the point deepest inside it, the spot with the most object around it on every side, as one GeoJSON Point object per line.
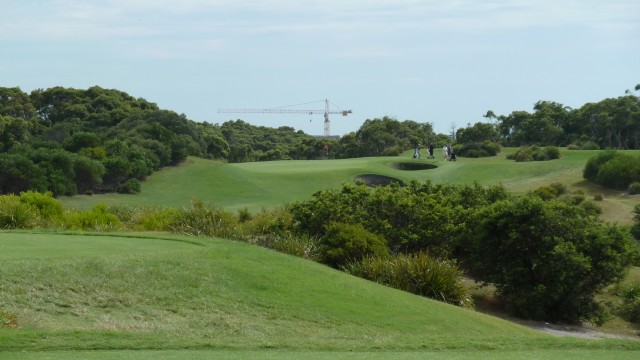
{"type": "Point", "coordinates": [159, 296]}
{"type": "Point", "coordinates": [257, 186]}
{"type": "Point", "coordinates": [23, 245]}
{"type": "Point", "coordinates": [213, 296]}
{"type": "Point", "coordinates": [542, 354]}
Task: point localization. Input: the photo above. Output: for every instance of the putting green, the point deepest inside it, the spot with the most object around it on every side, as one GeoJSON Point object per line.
{"type": "Point", "coordinates": [18, 245]}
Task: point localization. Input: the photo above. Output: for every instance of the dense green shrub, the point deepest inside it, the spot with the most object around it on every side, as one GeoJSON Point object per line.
{"type": "Point", "coordinates": [634, 188]}
{"type": "Point", "coordinates": [630, 307]}
{"type": "Point", "coordinates": [419, 274]}
{"type": "Point", "coordinates": [276, 221]}
{"type": "Point", "coordinates": [419, 216]}
{"type": "Point", "coordinates": [586, 145]}
{"type": "Point", "coordinates": [48, 207]}
{"type": "Point", "coordinates": [590, 207]}
{"type": "Point", "coordinates": [535, 153]}
{"type": "Point", "coordinates": [613, 169]}
{"type": "Point", "coordinates": [15, 214]}
{"type": "Point", "coordinates": [202, 220]}
{"type": "Point", "coordinates": [131, 186]}
{"type": "Point", "coordinates": [551, 153]}
{"type": "Point", "coordinates": [144, 218]}
{"type": "Point", "coordinates": [97, 219]}
{"type": "Point", "coordinates": [550, 191]}
{"type": "Point", "coordinates": [635, 229]}
{"type": "Point", "coordinates": [343, 243]}
{"type": "Point", "coordinates": [476, 150]}
{"type": "Point", "coordinates": [547, 259]}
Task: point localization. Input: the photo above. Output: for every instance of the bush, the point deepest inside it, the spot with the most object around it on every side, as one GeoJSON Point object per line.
{"type": "Point", "coordinates": [634, 188]}
{"type": "Point", "coordinates": [343, 243]}
{"type": "Point", "coordinates": [635, 229]}
{"type": "Point", "coordinates": [630, 307]}
{"type": "Point", "coordinates": [598, 197]}
{"type": "Point", "coordinates": [97, 219]}
{"type": "Point", "coordinates": [144, 218]}
{"type": "Point", "coordinates": [244, 215]}
{"type": "Point", "coordinates": [590, 208]}
{"type": "Point", "coordinates": [419, 274]}
{"type": "Point", "coordinates": [303, 246]}
{"type": "Point", "coordinates": [547, 259]}
{"type": "Point", "coordinates": [131, 186]}
{"type": "Point", "coordinates": [534, 153]}
{"type": "Point", "coordinates": [204, 220]}
{"type": "Point", "coordinates": [551, 153]}
{"type": "Point", "coordinates": [414, 217]}
{"type": "Point", "coordinates": [476, 150]}
{"type": "Point", "coordinates": [15, 214]}
{"type": "Point", "coordinates": [47, 206]}
{"type": "Point", "coordinates": [613, 169]}
{"type": "Point", "coordinates": [268, 222]}
{"type": "Point", "coordinates": [587, 145]}
{"type": "Point", "coordinates": [546, 192]}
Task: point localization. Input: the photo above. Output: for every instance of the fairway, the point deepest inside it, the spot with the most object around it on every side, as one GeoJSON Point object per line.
{"type": "Point", "coordinates": [159, 296]}
{"type": "Point", "coordinates": [19, 245]}
{"type": "Point", "coordinates": [175, 297]}
{"type": "Point", "coordinates": [331, 355]}
{"type": "Point", "coordinates": [265, 185]}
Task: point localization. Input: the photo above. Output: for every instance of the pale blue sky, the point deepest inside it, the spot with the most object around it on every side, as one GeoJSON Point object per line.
{"type": "Point", "coordinates": [444, 62]}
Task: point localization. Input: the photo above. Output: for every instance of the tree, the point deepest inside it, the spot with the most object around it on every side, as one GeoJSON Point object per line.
{"type": "Point", "coordinates": [19, 174]}
{"type": "Point", "coordinates": [477, 133]}
{"type": "Point", "coordinates": [547, 259]}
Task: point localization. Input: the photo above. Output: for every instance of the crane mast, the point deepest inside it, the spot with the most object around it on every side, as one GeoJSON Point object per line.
{"type": "Point", "coordinates": [326, 111]}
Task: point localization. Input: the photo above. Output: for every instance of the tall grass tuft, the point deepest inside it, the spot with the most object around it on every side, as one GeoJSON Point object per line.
{"type": "Point", "coordinates": [201, 220]}
{"type": "Point", "coordinates": [419, 274]}
{"type": "Point", "coordinates": [145, 218]}
{"type": "Point", "coordinates": [304, 246]}
{"type": "Point", "coordinates": [48, 207]}
{"type": "Point", "coordinates": [15, 214]}
{"type": "Point", "coordinates": [630, 307]}
{"type": "Point", "coordinates": [97, 219]}
{"type": "Point", "coordinates": [278, 221]}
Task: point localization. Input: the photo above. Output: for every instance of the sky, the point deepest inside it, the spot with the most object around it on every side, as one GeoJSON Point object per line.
{"type": "Point", "coordinates": [440, 62]}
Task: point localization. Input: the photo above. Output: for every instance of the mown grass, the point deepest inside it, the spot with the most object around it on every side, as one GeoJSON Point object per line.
{"type": "Point", "coordinates": [267, 354]}
{"type": "Point", "coordinates": [263, 185]}
{"type": "Point", "coordinates": [214, 297]}
{"type": "Point", "coordinates": [169, 297]}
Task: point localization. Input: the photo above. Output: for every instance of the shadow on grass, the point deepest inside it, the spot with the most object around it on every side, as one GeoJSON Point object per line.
{"type": "Point", "coordinates": [412, 166]}
{"type": "Point", "coordinates": [377, 180]}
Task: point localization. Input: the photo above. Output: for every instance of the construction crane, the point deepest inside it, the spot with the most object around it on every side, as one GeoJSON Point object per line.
{"type": "Point", "coordinates": [326, 112]}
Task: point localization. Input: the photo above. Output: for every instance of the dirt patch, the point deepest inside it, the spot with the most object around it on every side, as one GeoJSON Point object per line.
{"type": "Point", "coordinates": [412, 166]}
{"type": "Point", "coordinates": [584, 331]}
{"type": "Point", "coordinates": [377, 180]}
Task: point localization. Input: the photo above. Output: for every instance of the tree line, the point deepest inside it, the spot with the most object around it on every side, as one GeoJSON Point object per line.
{"type": "Point", "coordinates": [612, 123]}
{"type": "Point", "coordinates": [74, 141]}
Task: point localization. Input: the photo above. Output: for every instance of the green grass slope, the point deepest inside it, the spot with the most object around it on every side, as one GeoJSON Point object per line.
{"type": "Point", "coordinates": [218, 294]}
{"type": "Point", "coordinates": [269, 184]}
{"type": "Point", "coordinates": [232, 298]}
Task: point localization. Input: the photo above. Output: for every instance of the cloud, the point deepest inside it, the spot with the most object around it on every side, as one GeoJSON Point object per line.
{"type": "Point", "coordinates": [357, 23]}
